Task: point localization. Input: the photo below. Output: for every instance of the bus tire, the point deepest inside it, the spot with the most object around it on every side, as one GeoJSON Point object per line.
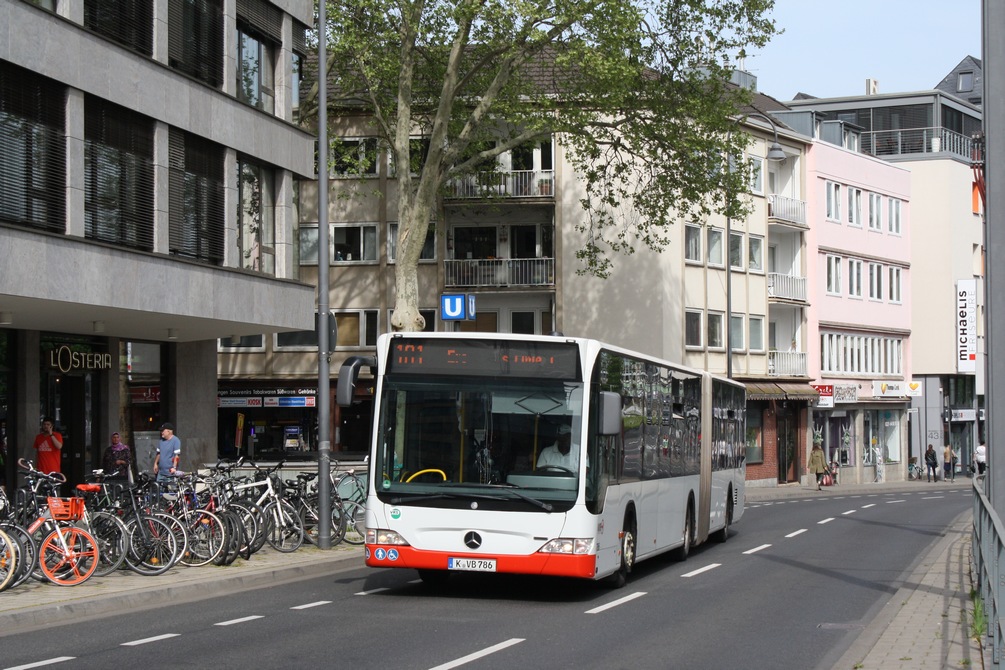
{"type": "Point", "coordinates": [723, 535]}
{"type": "Point", "coordinates": [681, 552]}
{"type": "Point", "coordinates": [620, 577]}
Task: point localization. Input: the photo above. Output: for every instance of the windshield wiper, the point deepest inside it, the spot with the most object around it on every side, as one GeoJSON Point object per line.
{"type": "Point", "coordinates": [512, 488]}
{"type": "Point", "coordinates": [508, 488]}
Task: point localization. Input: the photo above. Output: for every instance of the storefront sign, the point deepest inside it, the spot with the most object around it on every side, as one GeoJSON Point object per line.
{"type": "Point", "coordinates": [889, 389]}
{"type": "Point", "coordinates": [963, 415]}
{"type": "Point", "coordinates": [966, 325]}
{"type": "Point", "coordinates": [239, 402]}
{"type": "Point", "coordinates": [268, 401]}
{"type": "Point", "coordinates": [234, 392]}
{"type": "Point", "coordinates": [826, 398]}
{"type": "Point", "coordinates": [914, 390]}
{"type": "Point", "coordinates": [290, 401]}
{"type": "Point", "coordinates": [144, 395]}
{"type": "Point", "coordinates": [845, 393]}
{"type": "Point", "coordinates": [67, 360]}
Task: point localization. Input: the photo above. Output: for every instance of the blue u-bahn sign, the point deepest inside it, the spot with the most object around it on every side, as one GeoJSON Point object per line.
{"type": "Point", "coordinates": [457, 307]}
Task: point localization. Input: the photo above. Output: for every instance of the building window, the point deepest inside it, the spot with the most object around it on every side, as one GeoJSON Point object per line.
{"type": "Point", "coordinates": [882, 436]}
{"type": "Point", "coordinates": [354, 157]}
{"type": "Point", "coordinates": [692, 243]}
{"type": "Point", "coordinates": [256, 217]}
{"type": "Point", "coordinates": [875, 281]}
{"type": "Point", "coordinates": [362, 331]}
{"type": "Point", "coordinates": [256, 63]}
{"type": "Point", "coordinates": [692, 328]}
{"type": "Point", "coordinates": [118, 175]}
{"type": "Point", "coordinates": [857, 355]}
{"type": "Point", "coordinates": [854, 278]}
{"type": "Point", "coordinates": [715, 247]}
{"type": "Point", "coordinates": [834, 275]}
{"type": "Point", "coordinates": [875, 211]}
{"type": "Point", "coordinates": [854, 206]}
{"type": "Point", "coordinates": [757, 175]}
{"type": "Point", "coordinates": [127, 22]}
{"type": "Point", "coordinates": [715, 330]}
{"type": "Point", "coordinates": [195, 197]}
{"type": "Point", "coordinates": [755, 445]}
{"type": "Point", "coordinates": [241, 344]}
{"type": "Point", "coordinates": [965, 82]}
{"type": "Point", "coordinates": [895, 274]}
{"type": "Point", "coordinates": [833, 201]}
{"type": "Point", "coordinates": [736, 251]}
{"type": "Point", "coordinates": [32, 150]}
{"type": "Point", "coordinates": [755, 326]}
{"type": "Point", "coordinates": [428, 248]}
{"type": "Point", "coordinates": [195, 39]}
{"type": "Point", "coordinates": [736, 332]}
{"type": "Point", "coordinates": [755, 254]}
{"type": "Point", "coordinates": [894, 217]}
{"type": "Point", "coordinates": [308, 251]}
{"type": "Point", "coordinates": [354, 244]}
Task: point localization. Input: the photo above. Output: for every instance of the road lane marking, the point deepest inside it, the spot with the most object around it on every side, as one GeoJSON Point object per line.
{"type": "Point", "coordinates": [756, 549]}
{"type": "Point", "coordinates": [241, 620]}
{"type": "Point", "coordinates": [933, 497]}
{"type": "Point", "coordinates": [710, 566]}
{"type": "Point", "coordinates": [615, 603]}
{"type": "Point", "coordinates": [868, 506]}
{"type": "Point", "coordinates": [851, 511]}
{"type": "Point", "coordinates": [382, 588]}
{"type": "Point", "coordinates": [890, 502]}
{"type": "Point", "coordinates": [827, 520]}
{"type": "Point", "coordinates": [39, 664]}
{"type": "Point", "coordinates": [479, 654]}
{"type": "Point", "coordinates": [310, 605]}
{"type": "Point", "coordinates": [798, 532]}
{"type": "Point", "coordinates": [157, 638]}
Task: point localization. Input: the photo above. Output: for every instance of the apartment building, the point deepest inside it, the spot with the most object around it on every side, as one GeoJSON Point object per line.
{"type": "Point", "coordinates": [148, 168]}
{"type": "Point", "coordinates": [930, 133]}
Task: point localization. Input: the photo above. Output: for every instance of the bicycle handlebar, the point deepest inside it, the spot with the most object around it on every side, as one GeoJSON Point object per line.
{"type": "Point", "coordinates": [29, 467]}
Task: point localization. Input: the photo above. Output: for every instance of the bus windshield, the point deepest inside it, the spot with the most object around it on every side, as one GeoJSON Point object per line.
{"type": "Point", "coordinates": [467, 438]}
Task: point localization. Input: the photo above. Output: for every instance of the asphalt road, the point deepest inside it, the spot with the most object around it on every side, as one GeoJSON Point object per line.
{"type": "Point", "coordinates": [792, 588]}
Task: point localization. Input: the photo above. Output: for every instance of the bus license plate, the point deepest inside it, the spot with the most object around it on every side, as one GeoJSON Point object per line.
{"type": "Point", "coordinates": [472, 564]}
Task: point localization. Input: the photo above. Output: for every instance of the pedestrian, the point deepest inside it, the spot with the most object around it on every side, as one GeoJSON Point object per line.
{"type": "Point", "coordinates": [956, 460]}
{"type": "Point", "coordinates": [931, 464]}
{"type": "Point", "coordinates": [48, 447]}
{"type": "Point", "coordinates": [981, 458]}
{"type": "Point", "coordinates": [818, 465]}
{"type": "Point", "coordinates": [168, 454]}
{"type": "Point", "coordinates": [947, 462]}
{"type": "Point", "coordinates": [118, 458]}
{"type": "Point", "coordinates": [834, 472]}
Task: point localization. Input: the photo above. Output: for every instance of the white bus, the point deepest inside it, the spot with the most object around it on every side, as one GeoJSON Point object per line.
{"type": "Point", "coordinates": [544, 455]}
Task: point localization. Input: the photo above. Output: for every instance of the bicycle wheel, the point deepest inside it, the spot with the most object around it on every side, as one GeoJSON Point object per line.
{"type": "Point", "coordinates": [355, 522]}
{"type": "Point", "coordinates": [310, 514]}
{"type": "Point", "coordinates": [111, 535]}
{"type": "Point", "coordinates": [206, 538]}
{"type": "Point", "coordinates": [254, 522]}
{"type": "Point", "coordinates": [235, 537]}
{"type": "Point", "coordinates": [283, 530]}
{"type": "Point", "coordinates": [27, 560]}
{"type": "Point", "coordinates": [180, 531]}
{"type": "Point", "coordinates": [152, 546]}
{"type": "Point", "coordinates": [68, 556]}
{"type": "Point", "coordinates": [351, 486]}
{"type": "Point", "coordinates": [9, 552]}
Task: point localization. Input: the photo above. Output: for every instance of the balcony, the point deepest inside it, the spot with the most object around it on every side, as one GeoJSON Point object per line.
{"type": "Point", "coordinates": [787, 364]}
{"type": "Point", "coordinates": [513, 184]}
{"type": "Point", "coordinates": [916, 141]}
{"type": "Point", "coordinates": [499, 272]}
{"type": "Point", "coordinates": [786, 210]}
{"type": "Point", "coordinates": [786, 287]}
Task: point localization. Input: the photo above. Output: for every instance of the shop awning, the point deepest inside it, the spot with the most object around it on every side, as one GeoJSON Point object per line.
{"type": "Point", "coordinates": [799, 391]}
{"type": "Point", "coordinates": [764, 391]}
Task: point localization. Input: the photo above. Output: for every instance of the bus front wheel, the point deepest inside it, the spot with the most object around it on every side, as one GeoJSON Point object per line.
{"type": "Point", "coordinates": [620, 578]}
{"type": "Point", "coordinates": [723, 534]}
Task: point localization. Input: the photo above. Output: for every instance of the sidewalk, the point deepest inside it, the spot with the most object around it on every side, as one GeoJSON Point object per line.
{"type": "Point", "coordinates": [926, 625]}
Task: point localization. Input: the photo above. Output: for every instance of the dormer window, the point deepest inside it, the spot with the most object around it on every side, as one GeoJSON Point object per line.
{"type": "Point", "coordinates": [964, 82]}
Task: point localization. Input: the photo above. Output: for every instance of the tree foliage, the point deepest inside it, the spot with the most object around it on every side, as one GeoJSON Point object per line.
{"type": "Point", "coordinates": [634, 91]}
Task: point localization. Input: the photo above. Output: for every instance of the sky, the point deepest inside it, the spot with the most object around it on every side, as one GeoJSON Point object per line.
{"type": "Point", "coordinates": [830, 47]}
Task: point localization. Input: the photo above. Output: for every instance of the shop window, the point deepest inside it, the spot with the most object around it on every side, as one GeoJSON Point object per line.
{"type": "Point", "coordinates": [755, 437]}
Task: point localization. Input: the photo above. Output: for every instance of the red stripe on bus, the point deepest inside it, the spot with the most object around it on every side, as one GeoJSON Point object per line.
{"type": "Point", "coordinates": [556, 565]}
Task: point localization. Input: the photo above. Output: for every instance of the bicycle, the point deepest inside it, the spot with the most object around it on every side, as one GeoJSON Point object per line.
{"type": "Point", "coordinates": [284, 530]}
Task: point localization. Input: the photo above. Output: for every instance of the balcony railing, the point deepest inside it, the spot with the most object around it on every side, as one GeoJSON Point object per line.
{"type": "Point", "coordinates": [788, 287]}
{"type": "Point", "coordinates": [916, 141]}
{"type": "Point", "coordinates": [513, 184]}
{"type": "Point", "coordinates": [787, 364]}
{"type": "Point", "coordinates": [785, 209]}
{"type": "Point", "coordinates": [496, 272]}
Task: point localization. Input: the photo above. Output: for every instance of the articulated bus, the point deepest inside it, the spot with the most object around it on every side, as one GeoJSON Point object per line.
{"type": "Point", "coordinates": [545, 455]}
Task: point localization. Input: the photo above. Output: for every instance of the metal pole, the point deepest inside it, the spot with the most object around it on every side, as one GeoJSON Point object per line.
{"type": "Point", "coordinates": [324, 358]}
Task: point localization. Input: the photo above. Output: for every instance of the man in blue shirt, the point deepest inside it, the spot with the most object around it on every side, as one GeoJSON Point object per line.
{"type": "Point", "coordinates": [168, 454]}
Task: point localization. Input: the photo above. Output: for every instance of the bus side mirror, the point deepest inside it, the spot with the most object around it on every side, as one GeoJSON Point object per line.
{"type": "Point", "coordinates": [348, 375]}
{"type": "Point", "coordinates": [610, 413]}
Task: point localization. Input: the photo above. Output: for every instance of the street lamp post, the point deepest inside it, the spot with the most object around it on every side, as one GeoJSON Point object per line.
{"type": "Point", "coordinates": [775, 154]}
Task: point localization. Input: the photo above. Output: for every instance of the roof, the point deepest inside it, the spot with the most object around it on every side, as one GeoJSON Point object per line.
{"type": "Point", "coordinates": [781, 391]}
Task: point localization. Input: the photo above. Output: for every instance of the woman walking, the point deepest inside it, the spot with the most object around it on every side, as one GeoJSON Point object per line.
{"type": "Point", "coordinates": [818, 465]}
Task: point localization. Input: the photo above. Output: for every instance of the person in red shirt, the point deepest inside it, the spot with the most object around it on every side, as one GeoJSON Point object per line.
{"type": "Point", "coordinates": [49, 447]}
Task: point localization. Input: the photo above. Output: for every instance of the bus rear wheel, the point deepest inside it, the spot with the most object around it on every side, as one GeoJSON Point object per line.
{"type": "Point", "coordinates": [723, 534]}
{"type": "Point", "coordinates": [620, 578]}
{"type": "Point", "coordinates": [684, 549]}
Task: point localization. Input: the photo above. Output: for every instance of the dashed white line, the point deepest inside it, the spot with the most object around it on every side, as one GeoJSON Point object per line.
{"type": "Point", "coordinates": [827, 520]}
{"type": "Point", "coordinates": [868, 506]}
{"type": "Point", "coordinates": [756, 549]}
{"type": "Point", "coordinates": [710, 566]}
{"type": "Point", "coordinates": [933, 497]}
{"type": "Point", "coordinates": [798, 532]}
{"type": "Point", "coordinates": [851, 511]}
{"type": "Point", "coordinates": [890, 502]}
{"type": "Point", "coordinates": [366, 593]}
{"type": "Point", "coordinates": [157, 638]}
{"type": "Point", "coordinates": [619, 601]}
{"type": "Point", "coordinates": [243, 619]}
{"type": "Point", "coordinates": [310, 605]}
{"type": "Point", "coordinates": [40, 664]}
{"type": "Point", "coordinates": [479, 654]}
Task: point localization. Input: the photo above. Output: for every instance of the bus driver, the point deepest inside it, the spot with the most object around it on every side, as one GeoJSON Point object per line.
{"type": "Point", "coordinates": [560, 454]}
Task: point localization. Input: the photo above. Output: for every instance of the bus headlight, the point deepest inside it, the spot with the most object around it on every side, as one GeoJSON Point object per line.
{"type": "Point", "coordinates": [381, 536]}
{"type": "Point", "coordinates": [568, 545]}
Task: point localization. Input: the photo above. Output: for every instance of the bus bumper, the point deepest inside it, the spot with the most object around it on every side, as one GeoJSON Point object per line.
{"type": "Point", "coordinates": [556, 565]}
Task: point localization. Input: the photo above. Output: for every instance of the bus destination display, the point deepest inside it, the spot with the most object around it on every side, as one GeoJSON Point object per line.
{"type": "Point", "coordinates": [558, 360]}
